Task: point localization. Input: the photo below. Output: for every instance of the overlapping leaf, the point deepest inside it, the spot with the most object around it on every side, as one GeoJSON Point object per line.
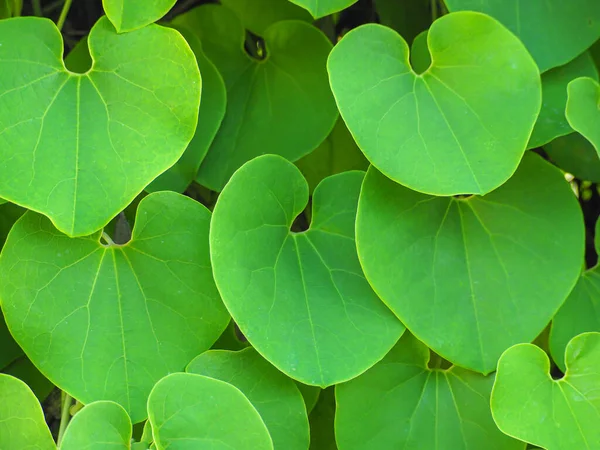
{"type": "Point", "coordinates": [583, 109]}
{"type": "Point", "coordinates": [321, 8]}
{"type": "Point", "coordinates": [408, 18]}
{"type": "Point", "coordinates": [258, 15]}
{"type": "Point", "coordinates": [275, 396]}
{"type": "Point", "coordinates": [128, 15]}
{"type": "Point", "coordinates": [575, 154]}
{"type": "Point", "coordinates": [472, 276]}
{"type": "Point", "coordinates": [300, 298]}
{"type": "Point", "coordinates": [107, 322]}
{"type": "Point", "coordinates": [554, 414]}
{"type": "Point", "coordinates": [106, 133]}
{"type": "Point", "coordinates": [281, 104]}
{"type": "Point", "coordinates": [401, 403]}
{"type": "Point", "coordinates": [460, 127]}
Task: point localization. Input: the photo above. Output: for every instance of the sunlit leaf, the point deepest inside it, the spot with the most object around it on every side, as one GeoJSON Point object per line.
{"type": "Point", "coordinates": [128, 15]}
{"type": "Point", "coordinates": [321, 8]}
{"type": "Point", "coordinates": [583, 109]}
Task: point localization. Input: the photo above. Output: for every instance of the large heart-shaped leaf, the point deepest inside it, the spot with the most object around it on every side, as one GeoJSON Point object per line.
{"type": "Point", "coordinates": [101, 425]}
{"type": "Point", "coordinates": [554, 31]}
{"type": "Point", "coordinates": [190, 411]}
{"type": "Point", "coordinates": [472, 276]}
{"type": "Point", "coordinates": [281, 104]}
{"type": "Point", "coordinates": [575, 154]}
{"type": "Point", "coordinates": [275, 396]}
{"type": "Point", "coordinates": [461, 126]}
{"type": "Point", "coordinates": [106, 133]}
{"type": "Point", "coordinates": [321, 8]}
{"type": "Point", "coordinates": [22, 424]}
{"type": "Point", "coordinates": [401, 403]}
{"type": "Point", "coordinates": [128, 15]}
{"type": "Point", "coordinates": [583, 109]}
{"type": "Point", "coordinates": [258, 15]}
{"type": "Point", "coordinates": [301, 299]}
{"type": "Point", "coordinates": [105, 322]}
{"type": "Point", "coordinates": [554, 414]}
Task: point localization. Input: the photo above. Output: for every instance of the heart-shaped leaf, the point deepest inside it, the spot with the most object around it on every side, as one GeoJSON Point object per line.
{"type": "Point", "coordinates": [189, 411]}
{"type": "Point", "coordinates": [128, 15]}
{"type": "Point", "coordinates": [583, 109]}
{"type": "Point", "coordinates": [552, 122]}
{"type": "Point", "coordinates": [281, 104]}
{"type": "Point", "coordinates": [472, 276]}
{"type": "Point", "coordinates": [275, 396]}
{"type": "Point", "coordinates": [106, 133]}
{"type": "Point", "coordinates": [258, 15]}
{"type": "Point", "coordinates": [575, 154]}
{"type": "Point", "coordinates": [107, 322]}
{"type": "Point", "coordinates": [301, 299]}
{"type": "Point", "coordinates": [460, 127]}
{"type": "Point", "coordinates": [401, 403]}
{"type": "Point", "coordinates": [99, 426]}
{"type": "Point", "coordinates": [554, 31]}
{"type": "Point", "coordinates": [22, 424]}
{"type": "Point", "coordinates": [322, 8]}
{"type": "Point", "coordinates": [554, 414]}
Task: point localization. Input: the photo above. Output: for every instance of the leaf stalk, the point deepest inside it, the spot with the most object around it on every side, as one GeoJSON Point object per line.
{"type": "Point", "coordinates": [63, 14]}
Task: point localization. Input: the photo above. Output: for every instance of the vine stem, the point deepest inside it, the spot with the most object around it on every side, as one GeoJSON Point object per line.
{"type": "Point", "coordinates": [64, 416]}
{"type": "Point", "coordinates": [63, 14]}
{"type": "Point", "coordinates": [37, 7]}
{"type": "Point", "coordinates": [107, 238]}
{"type": "Point", "coordinates": [434, 10]}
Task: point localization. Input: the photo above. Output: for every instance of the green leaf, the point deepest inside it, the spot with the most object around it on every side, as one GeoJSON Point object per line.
{"type": "Point", "coordinates": [210, 116]}
{"type": "Point", "coordinates": [420, 59]}
{"type": "Point", "coordinates": [100, 425]}
{"type": "Point", "coordinates": [575, 154]}
{"type": "Point", "coordinates": [322, 8]}
{"type": "Point", "coordinates": [554, 31]}
{"type": "Point", "coordinates": [462, 126]}
{"type": "Point", "coordinates": [189, 411]}
{"type": "Point", "coordinates": [401, 403]}
{"type": "Point", "coordinates": [275, 396]}
{"type": "Point", "coordinates": [258, 15]}
{"type": "Point", "coordinates": [230, 340]}
{"type": "Point", "coordinates": [554, 414]}
{"type": "Point", "coordinates": [472, 276]}
{"type": "Point", "coordinates": [338, 153]}
{"type": "Point", "coordinates": [23, 369]}
{"type": "Point", "coordinates": [552, 122]}
{"type": "Point", "coordinates": [79, 59]}
{"type": "Point", "coordinates": [106, 133]}
{"type": "Point", "coordinates": [128, 314]}
{"type": "Point", "coordinates": [583, 109]}
{"type": "Point", "coordinates": [281, 104]}
{"type": "Point", "coordinates": [129, 15]}
{"type": "Point", "coordinates": [9, 349]}
{"type": "Point", "coordinates": [408, 18]}
{"type": "Point", "coordinates": [310, 394]}
{"type": "Point", "coordinates": [22, 424]}
{"type": "Point", "coordinates": [321, 420]}
{"type": "Point", "coordinates": [301, 299]}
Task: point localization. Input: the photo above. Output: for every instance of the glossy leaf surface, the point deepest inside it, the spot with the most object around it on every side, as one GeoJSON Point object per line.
{"type": "Point", "coordinates": [107, 322]}
{"type": "Point", "coordinates": [472, 276]}
{"type": "Point", "coordinates": [321, 8]}
{"type": "Point", "coordinates": [301, 299]}
{"type": "Point", "coordinates": [106, 133]}
{"type": "Point", "coordinates": [554, 414]}
{"type": "Point", "coordinates": [583, 109]}
{"type": "Point", "coordinates": [460, 127]}
{"type": "Point", "coordinates": [128, 15]}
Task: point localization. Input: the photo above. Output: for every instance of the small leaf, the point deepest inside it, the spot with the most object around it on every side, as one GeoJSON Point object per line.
{"type": "Point", "coordinates": [258, 15]}
{"type": "Point", "coordinates": [322, 8]}
{"type": "Point", "coordinates": [554, 31]}
{"type": "Point", "coordinates": [22, 424]}
{"type": "Point", "coordinates": [281, 104]}
{"type": "Point", "coordinates": [554, 414]}
{"type": "Point", "coordinates": [583, 109]}
{"type": "Point", "coordinates": [275, 396]}
{"type": "Point", "coordinates": [472, 276]}
{"type": "Point", "coordinates": [575, 154]}
{"type": "Point", "coordinates": [189, 411]}
{"type": "Point", "coordinates": [552, 122]}
{"type": "Point", "coordinates": [106, 133]}
{"type": "Point", "coordinates": [301, 299]}
{"type": "Point", "coordinates": [460, 127]}
{"type": "Point", "coordinates": [401, 403]}
{"type": "Point", "coordinates": [128, 314]}
{"type": "Point", "coordinates": [99, 426]}
{"type": "Point", "coordinates": [129, 15]}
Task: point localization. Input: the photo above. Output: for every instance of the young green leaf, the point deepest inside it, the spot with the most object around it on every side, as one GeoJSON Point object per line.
{"type": "Point", "coordinates": [100, 425]}
{"type": "Point", "coordinates": [128, 314]}
{"type": "Point", "coordinates": [78, 148]}
{"type": "Point", "coordinates": [554, 31]}
{"type": "Point", "coordinates": [22, 424]}
{"type": "Point", "coordinates": [189, 411]}
{"type": "Point", "coordinates": [583, 109]}
{"type": "Point", "coordinates": [554, 414]}
{"type": "Point", "coordinates": [129, 15]}
{"type": "Point", "coordinates": [552, 122]}
{"type": "Point", "coordinates": [575, 154]}
{"type": "Point", "coordinates": [301, 298]}
{"type": "Point", "coordinates": [472, 276]}
{"type": "Point", "coordinates": [401, 403]}
{"type": "Point", "coordinates": [322, 8]}
{"type": "Point", "coordinates": [275, 396]}
{"type": "Point", "coordinates": [258, 15]}
{"type": "Point", "coordinates": [462, 126]}
{"type": "Point", "coordinates": [281, 104]}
